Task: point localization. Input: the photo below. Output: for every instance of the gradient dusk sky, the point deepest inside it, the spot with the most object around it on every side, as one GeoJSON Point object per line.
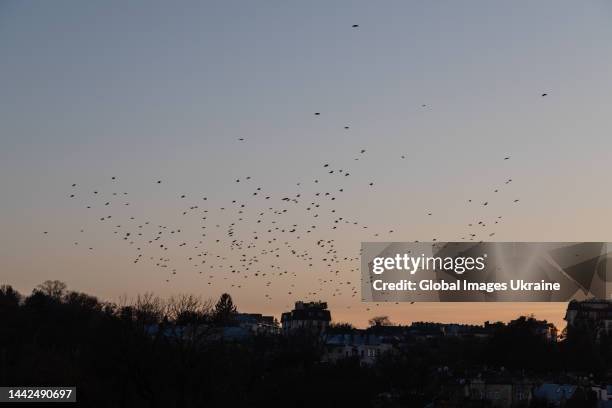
{"type": "Point", "coordinates": [159, 90]}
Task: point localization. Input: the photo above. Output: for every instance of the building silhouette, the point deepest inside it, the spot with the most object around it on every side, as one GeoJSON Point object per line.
{"type": "Point", "coordinates": [306, 316]}
{"type": "Point", "coordinates": [594, 315]}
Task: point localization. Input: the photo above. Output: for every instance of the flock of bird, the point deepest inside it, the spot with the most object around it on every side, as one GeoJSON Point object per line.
{"type": "Point", "coordinates": [256, 235]}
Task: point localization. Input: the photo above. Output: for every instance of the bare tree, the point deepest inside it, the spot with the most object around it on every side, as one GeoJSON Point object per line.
{"type": "Point", "coordinates": [149, 309]}
{"type": "Point", "coordinates": [188, 309]}
{"type": "Point", "coordinates": [380, 321]}
{"type": "Point", "coordinates": [52, 288]}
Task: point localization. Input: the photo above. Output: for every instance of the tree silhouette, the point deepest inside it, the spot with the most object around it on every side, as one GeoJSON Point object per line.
{"type": "Point", "coordinates": [340, 328]}
{"type": "Point", "coordinates": [187, 309]}
{"type": "Point", "coordinates": [380, 321]}
{"type": "Point", "coordinates": [9, 297]}
{"type": "Point", "coordinates": [153, 352]}
{"type": "Point", "coordinates": [225, 310]}
{"type": "Point", "coordinates": [52, 288]}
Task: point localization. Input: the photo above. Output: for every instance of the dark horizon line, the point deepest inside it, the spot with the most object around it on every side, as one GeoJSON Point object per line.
{"type": "Point", "coordinates": [209, 302]}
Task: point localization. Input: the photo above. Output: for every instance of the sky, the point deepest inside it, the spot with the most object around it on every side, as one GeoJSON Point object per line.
{"type": "Point", "coordinates": [147, 91]}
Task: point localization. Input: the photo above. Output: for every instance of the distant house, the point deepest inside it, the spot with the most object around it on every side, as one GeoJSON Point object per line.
{"type": "Point", "coordinates": [243, 326]}
{"type": "Point", "coordinates": [359, 344]}
{"type": "Point", "coordinates": [498, 394]}
{"type": "Point", "coordinates": [425, 330]}
{"type": "Point", "coordinates": [233, 333]}
{"type": "Point", "coordinates": [310, 316]}
{"type": "Point", "coordinates": [603, 393]}
{"type": "Point", "coordinates": [465, 331]}
{"type": "Point", "coordinates": [256, 323]}
{"type": "Point", "coordinates": [490, 390]}
{"type": "Point", "coordinates": [247, 325]}
{"type": "Point", "coordinates": [428, 330]}
{"type": "Point", "coordinates": [555, 394]}
{"type": "Point", "coordinates": [593, 314]}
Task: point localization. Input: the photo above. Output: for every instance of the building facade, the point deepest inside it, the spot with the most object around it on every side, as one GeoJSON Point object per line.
{"type": "Point", "coordinates": [359, 344]}
{"type": "Point", "coordinates": [594, 315]}
{"type": "Point", "coordinates": [307, 316]}
{"type": "Point", "coordinates": [257, 323]}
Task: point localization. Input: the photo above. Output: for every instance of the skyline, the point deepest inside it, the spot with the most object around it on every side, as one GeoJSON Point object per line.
{"type": "Point", "coordinates": [124, 300]}
{"type": "Point", "coordinates": [166, 92]}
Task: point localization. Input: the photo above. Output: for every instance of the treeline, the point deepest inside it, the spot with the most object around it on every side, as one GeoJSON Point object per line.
{"type": "Point", "coordinates": [151, 352]}
{"type": "Point", "coordinates": [129, 355]}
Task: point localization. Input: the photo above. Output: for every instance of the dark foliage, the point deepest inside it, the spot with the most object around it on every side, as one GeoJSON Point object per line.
{"type": "Point", "coordinates": [150, 355]}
